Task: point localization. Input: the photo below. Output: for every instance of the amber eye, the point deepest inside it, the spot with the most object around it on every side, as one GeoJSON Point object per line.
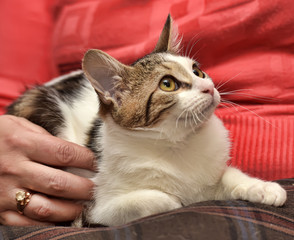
{"type": "Point", "coordinates": [198, 72]}
{"type": "Point", "coordinates": [168, 85]}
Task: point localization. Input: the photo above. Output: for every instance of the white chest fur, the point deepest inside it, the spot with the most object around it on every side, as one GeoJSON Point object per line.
{"type": "Point", "coordinates": [186, 171]}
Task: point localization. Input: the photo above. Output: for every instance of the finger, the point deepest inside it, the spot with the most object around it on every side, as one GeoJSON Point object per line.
{"type": "Point", "coordinates": [57, 152]}
{"type": "Point", "coordinates": [13, 218]}
{"type": "Point", "coordinates": [55, 182]}
{"type": "Point", "coordinates": [42, 208]}
{"type": "Point", "coordinates": [45, 209]}
{"type": "Point", "coordinates": [26, 124]}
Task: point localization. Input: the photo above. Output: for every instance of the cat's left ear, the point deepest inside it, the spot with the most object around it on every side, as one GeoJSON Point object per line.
{"type": "Point", "coordinates": [104, 72]}
{"type": "Point", "coordinates": [168, 40]}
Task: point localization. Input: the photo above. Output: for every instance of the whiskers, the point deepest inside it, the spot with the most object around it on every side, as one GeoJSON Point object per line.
{"type": "Point", "coordinates": [190, 46]}
{"type": "Point", "coordinates": [226, 103]}
{"type": "Point", "coordinates": [243, 93]}
{"type": "Point", "coordinates": [248, 95]}
{"type": "Point", "coordinates": [190, 118]}
{"type": "Point", "coordinates": [177, 121]}
{"type": "Point", "coordinates": [221, 84]}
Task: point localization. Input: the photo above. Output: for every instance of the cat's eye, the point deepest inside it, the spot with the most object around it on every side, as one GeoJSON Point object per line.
{"type": "Point", "coordinates": [198, 72]}
{"type": "Point", "coordinates": [168, 84]}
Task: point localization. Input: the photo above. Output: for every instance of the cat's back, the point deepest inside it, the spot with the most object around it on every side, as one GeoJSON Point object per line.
{"type": "Point", "coordinates": [65, 106]}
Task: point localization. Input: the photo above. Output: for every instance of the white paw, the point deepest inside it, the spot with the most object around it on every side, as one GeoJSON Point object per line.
{"type": "Point", "coordinates": [261, 192]}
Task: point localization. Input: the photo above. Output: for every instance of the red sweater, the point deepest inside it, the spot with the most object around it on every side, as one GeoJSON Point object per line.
{"type": "Point", "coordinates": [241, 44]}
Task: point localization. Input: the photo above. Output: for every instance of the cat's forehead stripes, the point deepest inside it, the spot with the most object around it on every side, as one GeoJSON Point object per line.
{"type": "Point", "coordinates": [168, 64]}
{"type": "Point", "coordinates": [178, 71]}
{"type": "Point", "coordinates": [149, 62]}
{"type": "Point", "coordinates": [181, 67]}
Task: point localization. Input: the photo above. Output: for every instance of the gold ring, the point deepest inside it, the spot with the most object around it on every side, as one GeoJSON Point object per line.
{"type": "Point", "coordinates": [22, 199]}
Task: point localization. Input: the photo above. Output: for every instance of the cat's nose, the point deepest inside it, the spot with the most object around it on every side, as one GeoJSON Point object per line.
{"type": "Point", "coordinates": [208, 90]}
{"type": "Point", "coordinates": [206, 87]}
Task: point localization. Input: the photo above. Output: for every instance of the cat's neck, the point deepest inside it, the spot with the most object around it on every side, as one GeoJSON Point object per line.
{"type": "Point", "coordinates": [162, 135]}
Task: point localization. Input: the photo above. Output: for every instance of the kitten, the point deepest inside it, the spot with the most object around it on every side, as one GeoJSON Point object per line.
{"type": "Point", "coordinates": [158, 144]}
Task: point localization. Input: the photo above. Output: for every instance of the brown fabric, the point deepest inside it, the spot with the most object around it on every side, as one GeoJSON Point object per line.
{"type": "Point", "coordinates": [207, 220]}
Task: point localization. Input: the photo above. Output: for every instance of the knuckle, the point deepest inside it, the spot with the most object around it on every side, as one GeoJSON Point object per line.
{"type": "Point", "coordinates": [4, 220]}
{"type": "Point", "coordinates": [65, 154]}
{"type": "Point", "coordinates": [8, 218]}
{"type": "Point", "coordinates": [4, 169]}
{"type": "Point", "coordinates": [43, 211]}
{"type": "Point", "coordinates": [12, 140]}
{"type": "Point", "coordinates": [58, 183]}
{"type": "Point", "coordinates": [12, 136]}
{"type": "Point", "coordinates": [15, 141]}
{"type": "Point", "coordinates": [8, 169]}
{"type": "Point", "coordinates": [8, 118]}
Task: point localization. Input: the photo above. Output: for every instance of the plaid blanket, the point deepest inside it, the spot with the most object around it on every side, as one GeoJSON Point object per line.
{"type": "Point", "coordinates": [222, 220]}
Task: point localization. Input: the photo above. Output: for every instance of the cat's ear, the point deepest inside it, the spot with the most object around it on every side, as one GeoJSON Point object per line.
{"type": "Point", "coordinates": [104, 72]}
{"type": "Point", "coordinates": [168, 40]}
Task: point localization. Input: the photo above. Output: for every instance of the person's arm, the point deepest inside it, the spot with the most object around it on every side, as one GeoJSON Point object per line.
{"type": "Point", "coordinates": [28, 155]}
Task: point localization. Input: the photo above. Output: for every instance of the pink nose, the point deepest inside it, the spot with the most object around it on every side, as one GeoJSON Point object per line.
{"type": "Point", "coordinates": [208, 91]}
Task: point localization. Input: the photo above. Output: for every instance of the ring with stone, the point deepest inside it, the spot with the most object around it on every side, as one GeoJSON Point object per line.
{"type": "Point", "coordinates": [22, 199]}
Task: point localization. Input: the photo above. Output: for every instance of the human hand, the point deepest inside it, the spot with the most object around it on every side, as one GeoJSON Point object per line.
{"type": "Point", "coordinates": [28, 155]}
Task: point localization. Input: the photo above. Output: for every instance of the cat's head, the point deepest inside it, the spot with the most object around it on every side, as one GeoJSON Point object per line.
{"type": "Point", "coordinates": [163, 91]}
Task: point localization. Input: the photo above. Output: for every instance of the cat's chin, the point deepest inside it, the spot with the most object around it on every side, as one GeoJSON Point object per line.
{"type": "Point", "coordinates": [196, 118]}
{"type": "Point", "coordinates": [209, 110]}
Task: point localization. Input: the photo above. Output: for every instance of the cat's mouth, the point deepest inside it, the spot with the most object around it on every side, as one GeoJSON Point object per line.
{"type": "Point", "coordinates": [197, 115]}
{"type": "Point", "coordinates": [210, 107]}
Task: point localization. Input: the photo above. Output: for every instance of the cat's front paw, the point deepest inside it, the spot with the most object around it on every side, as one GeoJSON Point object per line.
{"type": "Point", "coordinates": [269, 193]}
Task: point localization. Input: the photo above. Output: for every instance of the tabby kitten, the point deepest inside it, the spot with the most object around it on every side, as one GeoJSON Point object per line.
{"type": "Point", "coordinates": [158, 144]}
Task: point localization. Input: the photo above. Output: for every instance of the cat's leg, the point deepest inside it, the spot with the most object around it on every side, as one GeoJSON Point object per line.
{"type": "Point", "coordinates": [121, 209]}
{"type": "Point", "coordinates": [237, 185]}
